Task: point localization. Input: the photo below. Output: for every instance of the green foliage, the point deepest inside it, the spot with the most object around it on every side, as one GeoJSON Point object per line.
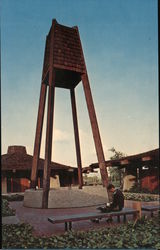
{"type": "Point", "coordinates": [138, 189]}
{"type": "Point", "coordinates": [142, 234]}
{"type": "Point", "coordinates": [115, 173]}
{"type": "Point", "coordinates": [6, 210]}
{"type": "Point", "coordinates": [116, 154]}
{"type": "Point", "coordinates": [13, 197]}
{"type": "Point", "coordinates": [139, 197]}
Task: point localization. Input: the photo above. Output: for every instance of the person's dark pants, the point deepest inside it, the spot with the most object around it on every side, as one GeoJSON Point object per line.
{"type": "Point", "coordinates": [108, 209]}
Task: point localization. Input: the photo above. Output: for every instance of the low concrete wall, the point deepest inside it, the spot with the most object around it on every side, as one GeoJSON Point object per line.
{"type": "Point", "coordinates": [10, 220]}
{"type": "Point", "coordinates": [67, 197]}
{"type": "Point", "coordinates": [33, 198]}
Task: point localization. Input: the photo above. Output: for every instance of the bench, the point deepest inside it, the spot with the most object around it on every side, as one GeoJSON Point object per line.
{"type": "Point", "coordinates": [68, 219]}
{"type": "Point", "coordinates": [150, 208]}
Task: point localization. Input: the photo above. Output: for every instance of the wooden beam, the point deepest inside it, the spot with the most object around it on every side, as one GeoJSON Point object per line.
{"type": "Point", "coordinates": [48, 147]}
{"type": "Point", "coordinates": [146, 158]}
{"type": "Point", "coordinates": [49, 129]}
{"type": "Point", "coordinates": [38, 136]}
{"type": "Point", "coordinates": [124, 162]}
{"type": "Point", "coordinates": [76, 135]}
{"type": "Point", "coordinates": [95, 129]}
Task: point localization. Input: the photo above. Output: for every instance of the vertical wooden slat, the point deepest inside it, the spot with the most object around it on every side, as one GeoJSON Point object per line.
{"type": "Point", "coordinates": [76, 135]}
{"type": "Point", "coordinates": [95, 129]}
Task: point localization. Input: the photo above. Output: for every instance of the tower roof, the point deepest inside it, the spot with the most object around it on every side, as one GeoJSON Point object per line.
{"type": "Point", "coordinates": [63, 49]}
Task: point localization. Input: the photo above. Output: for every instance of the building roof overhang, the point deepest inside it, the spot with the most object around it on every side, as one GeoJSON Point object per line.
{"type": "Point", "coordinates": [150, 158]}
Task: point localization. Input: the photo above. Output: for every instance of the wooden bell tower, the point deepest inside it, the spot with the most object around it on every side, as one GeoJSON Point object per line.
{"type": "Point", "coordinates": [64, 67]}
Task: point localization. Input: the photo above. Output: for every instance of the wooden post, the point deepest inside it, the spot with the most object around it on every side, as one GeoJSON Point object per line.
{"type": "Point", "coordinates": [12, 185]}
{"type": "Point", "coordinates": [120, 180]}
{"type": "Point", "coordinates": [138, 206]}
{"type": "Point", "coordinates": [76, 135]}
{"type": "Point", "coordinates": [95, 130]}
{"type": "Point", "coordinates": [49, 130]}
{"type": "Point", "coordinates": [140, 178]}
{"type": "Point", "coordinates": [48, 147]}
{"type": "Point", "coordinates": [38, 135]}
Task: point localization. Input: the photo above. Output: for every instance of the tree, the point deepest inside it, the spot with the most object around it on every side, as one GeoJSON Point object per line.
{"type": "Point", "coordinates": [116, 174]}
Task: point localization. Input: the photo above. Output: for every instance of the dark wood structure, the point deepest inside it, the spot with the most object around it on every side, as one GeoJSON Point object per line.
{"type": "Point", "coordinates": [16, 171]}
{"type": "Point", "coordinates": [64, 67]}
{"type": "Point", "coordinates": [144, 166]}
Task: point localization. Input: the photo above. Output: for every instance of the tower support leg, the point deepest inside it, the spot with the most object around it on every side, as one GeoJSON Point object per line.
{"type": "Point", "coordinates": [49, 129]}
{"type": "Point", "coordinates": [38, 135]}
{"type": "Point", "coordinates": [48, 147]}
{"type": "Point", "coordinates": [95, 129]}
{"type": "Point", "coordinates": [76, 135]}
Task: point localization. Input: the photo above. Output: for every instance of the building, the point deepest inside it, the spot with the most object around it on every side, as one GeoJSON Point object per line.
{"type": "Point", "coordinates": [16, 171]}
{"type": "Point", "coordinates": [141, 170]}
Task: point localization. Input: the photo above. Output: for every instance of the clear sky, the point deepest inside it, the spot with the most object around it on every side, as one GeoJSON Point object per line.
{"type": "Point", "coordinates": [119, 39]}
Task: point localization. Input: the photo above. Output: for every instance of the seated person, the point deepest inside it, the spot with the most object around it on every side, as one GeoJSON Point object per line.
{"type": "Point", "coordinates": [118, 200]}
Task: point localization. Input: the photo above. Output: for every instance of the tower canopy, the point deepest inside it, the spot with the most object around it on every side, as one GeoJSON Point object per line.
{"type": "Point", "coordinates": [64, 44]}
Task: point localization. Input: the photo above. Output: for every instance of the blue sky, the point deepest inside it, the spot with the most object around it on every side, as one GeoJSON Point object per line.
{"type": "Point", "coordinates": [119, 39]}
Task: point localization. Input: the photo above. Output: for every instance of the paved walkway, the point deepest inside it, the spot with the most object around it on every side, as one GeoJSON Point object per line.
{"type": "Point", "coordinates": [38, 218]}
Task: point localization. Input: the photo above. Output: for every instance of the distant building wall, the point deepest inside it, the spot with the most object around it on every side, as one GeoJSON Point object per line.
{"type": "Point", "coordinates": [150, 183]}
{"type": "Point", "coordinates": [16, 183]}
{"type": "Point", "coordinates": [54, 182]}
{"type": "Point", "coordinates": [4, 185]}
{"type": "Point", "coordinates": [128, 182]}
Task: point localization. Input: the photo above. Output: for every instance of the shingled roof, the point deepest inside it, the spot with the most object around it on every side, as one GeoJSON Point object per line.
{"type": "Point", "coordinates": [17, 158]}
{"type": "Point", "coordinates": [64, 45]}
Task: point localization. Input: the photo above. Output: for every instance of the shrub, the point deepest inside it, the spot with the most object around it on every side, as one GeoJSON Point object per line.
{"type": "Point", "coordinates": [6, 210]}
{"type": "Point", "coordinates": [138, 189]}
{"type": "Point", "coordinates": [139, 197]}
{"type": "Point", "coordinates": [13, 197]}
{"type": "Point", "coordinates": [143, 234]}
